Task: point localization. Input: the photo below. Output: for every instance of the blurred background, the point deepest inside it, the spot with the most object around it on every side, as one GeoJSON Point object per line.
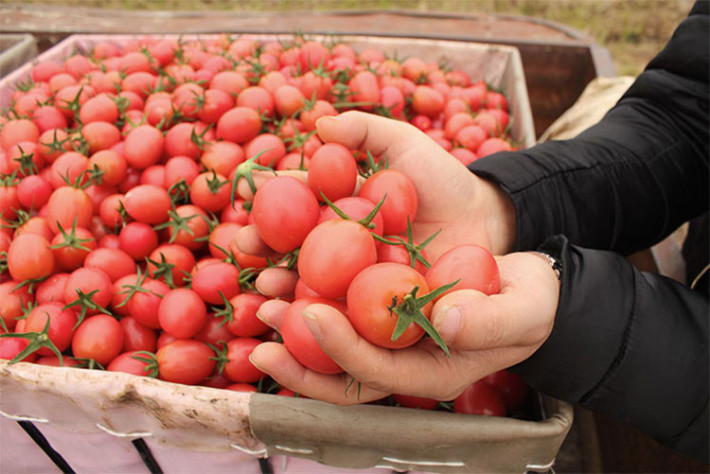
{"type": "Point", "coordinates": [633, 31]}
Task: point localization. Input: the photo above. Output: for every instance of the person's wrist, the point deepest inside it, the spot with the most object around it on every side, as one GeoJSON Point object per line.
{"type": "Point", "coordinates": [499, 216]}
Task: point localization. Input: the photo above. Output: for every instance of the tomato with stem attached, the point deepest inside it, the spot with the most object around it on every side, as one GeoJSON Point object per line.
{"type": "Point", "coordinates": [400, 198]}
{"type": "Point", "coordinates": [185, 361]}
{"type": "Point", "coordinates": [238, 367]}
{"type": "Point", "coordinates": [61, 325]}
{"type": "Point", "coordinates": [389, 304]}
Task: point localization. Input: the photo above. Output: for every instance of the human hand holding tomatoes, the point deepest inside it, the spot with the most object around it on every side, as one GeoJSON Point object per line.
{"type": "Point", "coordinates": [462, 207]}
{"type": "Point", "coordinates": [467, 209]}
{"type": "Point", "coordinates": [484, 333]}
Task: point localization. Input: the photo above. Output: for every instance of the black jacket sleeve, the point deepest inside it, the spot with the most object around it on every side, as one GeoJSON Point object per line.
{"type": "Point", "coordinates": [628, 343]}
{"type": "Point", "coordinates": [630, 180]}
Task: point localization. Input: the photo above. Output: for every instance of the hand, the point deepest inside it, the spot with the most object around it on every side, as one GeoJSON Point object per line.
{"type": "Point", "coordinates": [467, 209]}
{"type": "Point", "coordinates": [484, 334]}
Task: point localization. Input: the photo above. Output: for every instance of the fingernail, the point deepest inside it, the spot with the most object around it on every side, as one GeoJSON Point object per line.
{"type": "Point", "coordinates": [327, 119]}
{"type": "Point", "coordinates": [251, 359]}
{"type": "Point", "coordinates": [313, 324]}
{"type": "Point", "coordinates": [449, 323]}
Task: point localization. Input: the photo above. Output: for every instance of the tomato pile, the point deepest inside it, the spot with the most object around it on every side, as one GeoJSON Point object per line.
{"type": "Point", "coordinates": [119, 204]}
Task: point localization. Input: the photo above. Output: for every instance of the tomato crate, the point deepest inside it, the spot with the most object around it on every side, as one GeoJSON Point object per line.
{"type": "Point", "coordinates": [57, 419]}
{"type": "Point", "coordinates": [498, 65]}
{"type": "Point", "coordinates": [16, 50]}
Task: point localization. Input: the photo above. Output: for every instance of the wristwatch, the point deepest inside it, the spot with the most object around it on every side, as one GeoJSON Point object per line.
{"type": "Point", "coordinates": [554, 264]}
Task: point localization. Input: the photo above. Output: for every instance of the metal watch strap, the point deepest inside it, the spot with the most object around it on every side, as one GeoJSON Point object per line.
{"type": "Point", "coordinates": [554, 264]}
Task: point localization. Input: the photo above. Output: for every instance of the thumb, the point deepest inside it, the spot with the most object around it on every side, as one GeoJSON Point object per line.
{"type": "Point", "coordinates": [473, 321]}
{"type": "Point", "coordinates": [362, 131]}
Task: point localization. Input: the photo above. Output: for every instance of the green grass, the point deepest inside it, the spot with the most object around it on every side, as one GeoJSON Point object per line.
{"type": "Point", "coordinates": [632, 30]}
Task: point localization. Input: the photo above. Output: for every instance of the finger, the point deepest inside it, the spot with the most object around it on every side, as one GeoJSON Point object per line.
{"type": "Point", "coordinates": [275, 360]}
{"type": "Point", "coordinates": [248, 241]}
{"type": "Point", "coordinates": [271, 312]}
{"type": "Point", "coordinates": [380, 369]}
{"type": "Point", "coordinates": [520, 315]}
{"type": "Point", "coordinates": [276, 282]}
{"type": "Point", "coordinates": [360, 130]}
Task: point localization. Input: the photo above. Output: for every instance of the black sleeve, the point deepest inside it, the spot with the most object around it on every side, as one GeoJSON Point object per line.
{"type": "Point", "coordinates": [628, 343]}
{"type": "Point", "coordinates": [631, 344]}
{"type": "Point", "coordinates": [630, 180]}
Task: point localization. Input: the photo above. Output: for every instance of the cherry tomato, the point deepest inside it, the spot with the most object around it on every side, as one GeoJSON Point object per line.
{"type": "Point", "coordinates": [182, 313]}
{"type": "Point", "coordinates": [473, 265]}
{"type": "Point", "coordinates": [333, 172]}
{"type": "Point", "coordinates": [138, 240]}
{"type": "Point", "coordinates": [144, 303]}
{"type": "Point", "coordinates": [185, 361]}
{"type": "Point", "coordinates": [239, 125]}
{"type": "Point", "coordinates": [401, 202]}
{"type": "Point", "coordinates": [244, 322]}
{"type": "Point", "coordinates": [285, 211]}
{"type": "Point", "coordinates": [114, 262]}
{"type": "Point", "coordinates": [174, 259]}
{"type": "Point", "coordinates": [148, 204]}
{"type": "Point", "coordinates": [71, 248]}
{"type": "Point", "coordinates": [99, 338]}
{"type": "Point", "coordinates": [61, 325]}
{"type": "Point", "coordinates": [129, 363]}
{"type": "Point", "coordinates": [136, 336]}
{"type": "Point", "coordinates": [51, 289]}
{"type": "Point", "coordinates": [480, 398]}
{"type": "Point", "coordinates": [29, 258]}
{"type": "Point", "coordinates": [12, 302]}
{"type": "Point", "coordinates": [511, 386]}
{"type": "Point", "coordinates": [371, 295]}
{"type": "Point", "coordinates": [299, 340]}
{"type": "Point", "coordinates": [216, 283]}
{"type": "Point", "coordinates": [239, 368]}
{"type": "Point", "coordinates": [144, 146]}
{"type": "Point", "coordinates": [342, 244]}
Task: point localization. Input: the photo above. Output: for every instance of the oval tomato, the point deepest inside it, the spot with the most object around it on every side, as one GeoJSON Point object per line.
{"type": "Point", "coordinates": [299, 340]}
{"type": "Point", "coordinates": [29, 258]}
{"type": "Point", "coordinates": [148, 203]}
{"type": "Point", "coordinates": [342, 244]}
{"type": "Point", "coordinates": [99, 338]}
{"type": "Point", "coordinates": [333, 172]}
{"type": "Point", "coordinates": [239, 368]}
{"type": "Point", "coordinates": [401, 202]}
{"type": "Point", "coordinates": [216, 283]}
{"type": "Point", "coordinates": [130, 363]}
{"type": "Point", "coordinates": [185, 361]}
{"type": "Point", "coordinates": [136, 336]}
{"type": "Point", "coordinates": [244, 322]}
{"type": "Point", "coordinates": [473, 265]}
{"type": "Point", "coordinates": [61, 325]}
{"type": "Point", "coordinates": [284, 211]}
{"type": "Point", "coordinates": [182, 313]}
